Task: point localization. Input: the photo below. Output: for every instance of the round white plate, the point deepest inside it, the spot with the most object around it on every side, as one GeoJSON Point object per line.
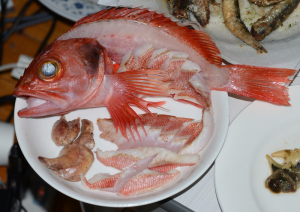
{"type": "Point", "coordinates": [72, 9]}
{"type": "Point", "coordinates": [282, 44]}
{"type": "Point", "coordinates": [34, 137]}
{"type": "Point", "coordinates": [242, 168]}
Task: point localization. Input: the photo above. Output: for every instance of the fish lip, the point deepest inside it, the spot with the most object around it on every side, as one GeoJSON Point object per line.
{"type": "Point", "coordinates": [41, 95]}
{"type": "Point", "coordinates": [40, 110]}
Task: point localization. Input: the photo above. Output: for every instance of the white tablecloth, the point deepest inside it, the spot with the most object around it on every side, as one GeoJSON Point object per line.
{"type": "Point", "coordinates": [201, 196]}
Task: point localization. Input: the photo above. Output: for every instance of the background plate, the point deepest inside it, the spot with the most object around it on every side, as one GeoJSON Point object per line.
{"type": "Point", "coordinates": [282, 44]}
{"type": "Point", "coordinates": [242, 168]}
{"type": "Point", "coordinates": [72, 9]}
{"type": "Point", "coordinates": [34, 136]}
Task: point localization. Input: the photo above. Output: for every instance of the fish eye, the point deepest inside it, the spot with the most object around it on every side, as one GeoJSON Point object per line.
{"type": "Point", "coordinates": [49, 69]}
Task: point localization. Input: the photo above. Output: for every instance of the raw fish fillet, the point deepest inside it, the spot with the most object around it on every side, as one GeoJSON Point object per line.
{"type": "Point", "coordinates": [155, 131]}
{"type": "Point", "coordinates": [182, 135]}
{"type": "Point", "coordinates": [197, 141]}
{"type": "Point", "coordinates": [143, 182]}
{"type": "Point", "coordinates": [165, 160]}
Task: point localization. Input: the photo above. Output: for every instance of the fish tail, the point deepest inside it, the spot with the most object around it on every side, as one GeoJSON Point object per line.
{"type": "Point", "coordinates": [126, 87]}
{"type": "Point", "coordinates": [263, 83]}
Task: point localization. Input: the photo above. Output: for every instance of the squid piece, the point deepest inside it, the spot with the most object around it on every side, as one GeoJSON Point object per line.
{"type": "Point", "coordinates": [68, 157]}
{"type": "Point", "coordinates": [83, 164]}
{"type": "Point", "coordinates": [86, 136]}
{"type": "Point", "coordinates": [63, 132]}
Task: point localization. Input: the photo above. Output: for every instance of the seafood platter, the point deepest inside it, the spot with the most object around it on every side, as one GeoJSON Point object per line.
{"type": "Point", "coordinates": [128, 108]}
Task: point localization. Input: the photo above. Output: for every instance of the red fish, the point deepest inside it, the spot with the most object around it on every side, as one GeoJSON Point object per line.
{"type": "Point", "coordinates": [76, 70]}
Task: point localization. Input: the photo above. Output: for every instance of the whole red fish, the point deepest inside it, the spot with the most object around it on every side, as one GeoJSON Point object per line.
{"type": "Point", "coordinates": [77, 71]}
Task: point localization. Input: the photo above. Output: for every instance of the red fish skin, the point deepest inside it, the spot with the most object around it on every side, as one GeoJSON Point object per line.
{"type": "Point", "coordinates": [199, 41]}
{"type": "Point", "coordinates": [198, 44]}
{"type": "Point", "coordinates": [74, 86]}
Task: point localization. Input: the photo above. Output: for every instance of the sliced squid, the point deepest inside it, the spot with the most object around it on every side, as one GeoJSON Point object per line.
{"type": "Point", "coordinates": [83, 164]}
{"type": "Point", "coordinates": [64, 132]}
{"type": "Point", "coordinates": [68, 157]}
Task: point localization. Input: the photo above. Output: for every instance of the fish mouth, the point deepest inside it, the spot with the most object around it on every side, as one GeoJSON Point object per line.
{"type": "Point", "coordinates": [38, 104]}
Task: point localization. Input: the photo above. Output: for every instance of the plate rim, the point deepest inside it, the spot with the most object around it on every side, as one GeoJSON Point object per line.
{"type": "Point", "coordinates": [63, 13]}
{"type": "Point", "coordinates": [219, 189]}
{"type": "Point", "coordinates": [221, 95]}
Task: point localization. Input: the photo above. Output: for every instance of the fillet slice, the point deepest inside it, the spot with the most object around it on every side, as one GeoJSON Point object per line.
{"type": "Point", "coordinates": [165, 160]}
{"type": "Point", "coordinates": [159, 129]}
{"type": "Point", "coordinates": [143, 182]}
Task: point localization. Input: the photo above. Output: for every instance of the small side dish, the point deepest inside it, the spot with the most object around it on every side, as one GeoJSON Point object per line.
{"type": "Point", "coordinates": [285, 177]}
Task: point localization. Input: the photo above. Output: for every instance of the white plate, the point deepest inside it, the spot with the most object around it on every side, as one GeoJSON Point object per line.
{"type": "Point", "coordinates": [34, 137]}
{"type": "Point", "coordinates": [282, 44]}
{"type": "Point", "coordinates": [242, 168]}
{"type": "Point", "coordinates": [72, 9]}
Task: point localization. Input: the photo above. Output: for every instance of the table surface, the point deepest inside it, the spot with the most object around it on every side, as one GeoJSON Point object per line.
{"type": "Point", "coordinates": [27, 42]}
{"type": "Point", "coordinates": [200, 196]}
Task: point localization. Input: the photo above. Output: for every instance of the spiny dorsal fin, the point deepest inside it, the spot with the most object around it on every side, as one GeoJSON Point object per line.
{"type": "Point", "coordinates": [200, 41]}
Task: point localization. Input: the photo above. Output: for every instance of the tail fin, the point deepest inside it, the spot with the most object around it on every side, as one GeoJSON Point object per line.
{"type": "Point", "coordinates": [263, 83]}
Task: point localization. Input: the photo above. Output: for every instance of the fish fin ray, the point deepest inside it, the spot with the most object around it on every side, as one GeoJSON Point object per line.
{"type": "Point", "coordinates": [126, 86]}
{"type": "Point", "coordinates": [199, 40]}
{"type": "Point", "coordinates": [263, 83]}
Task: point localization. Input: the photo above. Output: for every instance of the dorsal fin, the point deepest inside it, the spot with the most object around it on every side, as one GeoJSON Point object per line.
{"type": "Point", "coordinates": [200, 41]}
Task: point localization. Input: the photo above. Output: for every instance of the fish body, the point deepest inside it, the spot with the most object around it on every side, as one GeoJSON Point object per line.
{"type": "Point", "coordinates": [234, 23]}
{"type": "Point", "coordinates": [200, 9]}
{"type": "Point", "coordinates": [76, 70]}
{"type": "Point", "coordinates": [179, 8]}
{"type": "Point", "coordinates": [273, 19]}
{"type": "Point", "coordinates": [264, 3]}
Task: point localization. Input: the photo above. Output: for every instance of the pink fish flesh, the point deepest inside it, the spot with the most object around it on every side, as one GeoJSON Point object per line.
{"type": "Point", "coordinates": [188, 137]}
{"type": "Point", "coordinates": [145, 181]}
{"type": "Point", "coordinates": [165, 160]}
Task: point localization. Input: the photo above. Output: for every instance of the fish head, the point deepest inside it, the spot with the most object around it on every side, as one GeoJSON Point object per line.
{"type": "Point", "coordinates": [63, 77]}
